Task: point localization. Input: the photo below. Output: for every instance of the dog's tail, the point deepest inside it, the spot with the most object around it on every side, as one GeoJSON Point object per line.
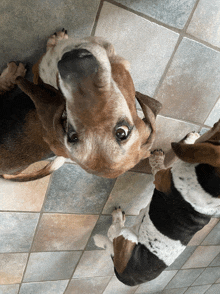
{"type": "Point", "coordinates": [45, 171]}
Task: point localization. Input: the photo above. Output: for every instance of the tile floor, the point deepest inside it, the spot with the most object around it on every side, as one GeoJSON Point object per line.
{"type": "Point", "coordinates": [46, 227]}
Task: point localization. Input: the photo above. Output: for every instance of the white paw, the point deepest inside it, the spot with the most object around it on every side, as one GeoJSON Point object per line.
{"type": "Point", "coordinates": [56, 37]}
{"type": "Point", "coordinates": [156, 158]}
{"type": "Point", "coordinates": [9, 75]}
{"type": "Point", "coordinates": [118, 215]}
{"type": "Point", "coordinates": [191, 138]}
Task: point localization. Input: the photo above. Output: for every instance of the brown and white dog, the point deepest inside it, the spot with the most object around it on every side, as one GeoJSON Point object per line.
{"type": "Point", "coordinates": [85, 99]}
{"type": "Point", "coordinates": [185, 198]}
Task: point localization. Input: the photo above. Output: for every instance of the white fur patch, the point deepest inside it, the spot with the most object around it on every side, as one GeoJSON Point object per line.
{"type": "Point", "coordinates": [57, 163]}
{"type": "Point", "coordinates": [65, 89]}
{"type": "Point", "coordinates": [160, 245]}
{"type": "Point", "coordinates": [185, 181]}
{"type": "Point", "coordinates": [128, 235]}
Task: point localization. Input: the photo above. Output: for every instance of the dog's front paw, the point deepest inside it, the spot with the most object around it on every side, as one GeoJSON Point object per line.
{"type": "Point", "coordinates": [9, 75]}
{"type": "Point", "coordinates": [118, 215]}
{"type": "Point", "coordinates": [191, 138]}
{"type": "Point", "coordinates": [56, 37]}
{"type": "Point", "coordinates": [156, 160]}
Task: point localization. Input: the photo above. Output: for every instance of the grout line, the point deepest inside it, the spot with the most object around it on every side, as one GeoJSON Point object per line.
{"type": "Point", "coordinates": [35, 233]}
{"type": "Point", "coordinates": [78, 250]}
{"type": "Point", "coordinates": [100, 214]}
{"type": "Point", "coordinates": [205, 43]}
{"type": "Point", "coordinates": [185, 121]}
{"type": "Point", "coordinates": [97, 18]}
{"type": "Point", "coordinates": [107, 284]}
{"type": "Point", "coordinates": [182, 34]}
{"type": "Point", "coordinates": [211, 110]}
{"type": "Point", "coordinates": [149, 18]}
{"type": "Point", "coordinates": [168, 66]}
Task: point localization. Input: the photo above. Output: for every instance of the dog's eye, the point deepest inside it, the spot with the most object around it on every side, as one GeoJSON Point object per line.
{"type": "Point", "coordinates": [72, 137]}
{"type": "Point", "coordinates": [122, 132]}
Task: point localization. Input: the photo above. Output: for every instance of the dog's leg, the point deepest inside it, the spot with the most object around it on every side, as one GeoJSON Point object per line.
{"type": "Point", "coordinates": [156, 160]}
{"type": "Point", "coordinates": [55, 38]}
{"type": "Point", "coordinates": [118, 220]}
{"type": "Point", "coordinates": [8, 76]}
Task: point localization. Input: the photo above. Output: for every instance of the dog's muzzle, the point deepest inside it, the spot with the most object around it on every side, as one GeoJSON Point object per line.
{"type": "Point", "coordinates": [78, 64]}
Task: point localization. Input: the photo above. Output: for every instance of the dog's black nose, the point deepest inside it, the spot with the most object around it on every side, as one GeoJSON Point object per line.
{"type": "Point", "coordinates": [77, 63]}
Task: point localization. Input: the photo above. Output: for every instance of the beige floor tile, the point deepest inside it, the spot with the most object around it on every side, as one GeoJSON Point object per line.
{"type": "Point", "coordinates": [27, 196]}
{"type": "Point", "coordinates": [205, 22]}
{"type": "Point", "coordinates": [95, 263]}
{"type": "Point", "coordinates": [146, 45]}
{"type": "Point", "coordinates": [202, 257]}
{"type": "Point", "coordinates": [115, 286]}
{"type": "Point", "coordinates": [171, 130]}
{"type": "Point", "coordinates": [12, 266]}
{"type": "Point", "coordinates": [200, 235]}
{"type": "Point", "coordinates": [214, 116]}
{"type": "Point", "coordinates": [94, 285]}
{"type": "Point", "coordinates": [157, 284]}
{"type": "Point", "coordinates": [132, 191]}
{"type": "Point", "coordinates": [191, 87]}
{"type": "Point", "coordinates": [64, 232]}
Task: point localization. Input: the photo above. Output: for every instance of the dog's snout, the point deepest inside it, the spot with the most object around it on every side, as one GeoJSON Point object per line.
{"type": "Point", "coordinates": [77, 63]}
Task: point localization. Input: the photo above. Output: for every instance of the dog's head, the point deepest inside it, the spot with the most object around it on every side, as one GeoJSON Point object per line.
{"type": "Point", "coordinates": [207, 151]}
{"type": "Point", "coordinates": [102, 132]}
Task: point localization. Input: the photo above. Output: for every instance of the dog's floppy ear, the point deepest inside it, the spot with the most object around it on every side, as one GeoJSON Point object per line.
{"type": "Point", "coordinates": [207, 152]}
{"type": "Point", "coordinates": [147, 102]}
{"type": "Point", "coordinates": [150, 108]}
{"type": "Point", "coordinates": [50, 106]}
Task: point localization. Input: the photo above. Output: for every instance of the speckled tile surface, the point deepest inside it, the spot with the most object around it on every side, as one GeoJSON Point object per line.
{"type": "Point", "coordinates": [146, 45]}
{"type": "Point", "coordinates": [12, 267]}
{"type": "Point", "coordinates": [42, 266]}
{"type": "Point", "coordinates": [171, 12]}
{"type": "Point", "coordinates": [88, 285]}
{"type": "Point", "coordinates": [28, 196]}
{"type": "Point", "coordinates": [199, 87]}
{"type": "Point", "coordinates": [49, 287]}
{"type": "Point", "coordinates": [63, 232]}
{"type": "Point", "coordinates": [47, 226]}
{"type": "Point", "coordinates": [205, 22]}
{"type": "Point", "coordinates": [80, 192]}
{"type": "Point", "coordinates": [157, 284]}
{"type": "Point", "coordinates": [26, 26]}
{"type": "Point", "coordinates": [17, 231]}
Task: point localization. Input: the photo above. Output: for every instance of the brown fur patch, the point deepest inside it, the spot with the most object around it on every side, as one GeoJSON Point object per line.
{"type": "Point", "coordinates": [207, 153]}
{"type": "Point", "coordinates": [163, 180]}
{"type": "Point", "coordinates": [122, 252]}
{"type": "Point", "coordinates": [28, 148]}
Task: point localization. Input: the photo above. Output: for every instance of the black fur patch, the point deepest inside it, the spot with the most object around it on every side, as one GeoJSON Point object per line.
{"type": "Point", "coordinates": [174, 217]}
{"type": "Point", "coordinates": [13, 110]}
{"type": "Point", "coordinates": [142, 267]}
{"type": "Point", "coordinates": [208, 179]}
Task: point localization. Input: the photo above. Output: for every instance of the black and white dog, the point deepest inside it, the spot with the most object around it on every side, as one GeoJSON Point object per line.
{"type": "Point", "coordinates": [185, 198]}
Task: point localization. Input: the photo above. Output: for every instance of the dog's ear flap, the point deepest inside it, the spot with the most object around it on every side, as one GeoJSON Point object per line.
{"type": "Point", "coordinates": [50, 106]}
{"type": "Point", "coordinates": [147, 102]}
{"type": "Point", "coordinates": [150, 108]}
{"type": "Point", "coordinates": [207, 153]}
